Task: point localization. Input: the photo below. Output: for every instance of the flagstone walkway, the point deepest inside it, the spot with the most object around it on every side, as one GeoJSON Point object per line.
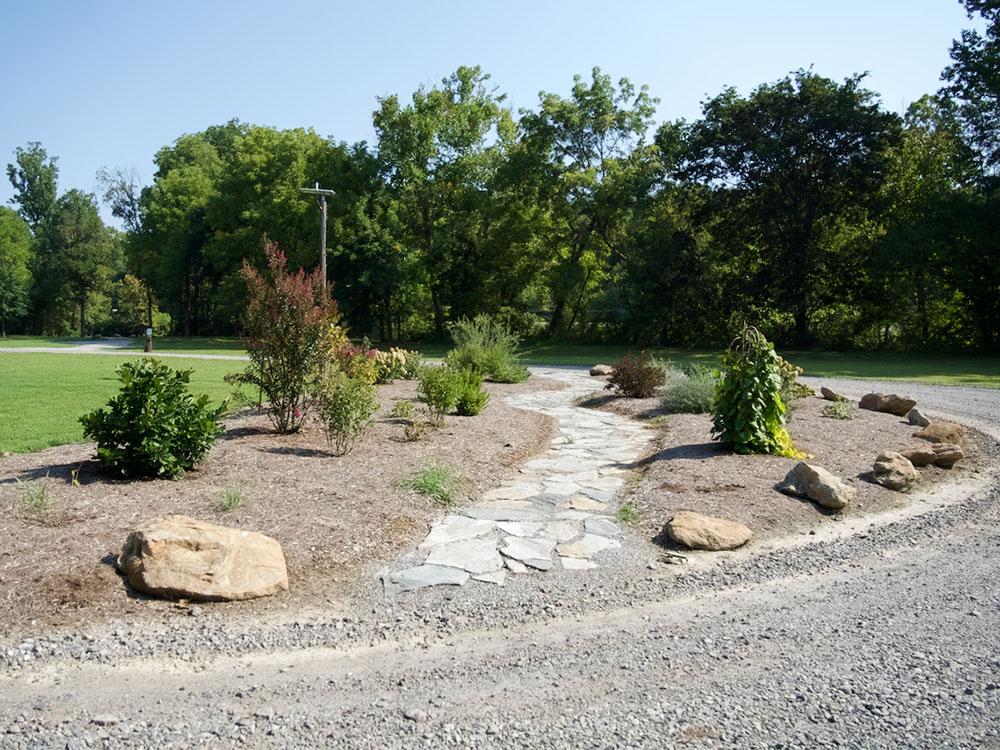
{"type": "Point", "coordinates": [557, 513]}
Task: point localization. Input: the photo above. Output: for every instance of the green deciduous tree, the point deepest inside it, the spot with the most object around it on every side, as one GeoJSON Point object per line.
{"type": "Point", "coordinates": [15, 276]}
{"type": "Point", "coordinates": [34, 177]}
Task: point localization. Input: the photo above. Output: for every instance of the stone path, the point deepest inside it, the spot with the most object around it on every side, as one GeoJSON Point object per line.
{"type": "Point", "coordinates": [557, 513]}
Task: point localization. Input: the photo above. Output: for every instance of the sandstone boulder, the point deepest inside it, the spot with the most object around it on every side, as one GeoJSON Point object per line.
{"type": "Point", "coordinates": [601, 370]}
{"type": "Point", "coordinates": [894, 471]}
{"type": "Point", "coordinates": [697, 531]}
{"type": "Point", "coordinates": [817, 484]}
{"type": "Point", "coordinates": [943, 432]}
{"type": "Point", "coordinates": [919, 455]}
{"type": "Point", "coordinates": [947, 455]}
{"type": "Point", "coordinates": [177, 557]}
{"type": "Point", "coordinates": [916, 417]}
{"type": "Point", "coordinates": [831, 395]}
{"type": "Point", "coordinates": [889, 403]}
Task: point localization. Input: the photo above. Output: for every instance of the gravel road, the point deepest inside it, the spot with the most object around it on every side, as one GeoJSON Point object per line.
{"type": "Point", "coordinates": [885, 637]}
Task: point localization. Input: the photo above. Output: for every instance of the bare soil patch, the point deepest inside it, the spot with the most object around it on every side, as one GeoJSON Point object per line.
{"type": "Point", "coordinates": [334, 516]}
{"type": "Point", "coordinates": [687, 470]}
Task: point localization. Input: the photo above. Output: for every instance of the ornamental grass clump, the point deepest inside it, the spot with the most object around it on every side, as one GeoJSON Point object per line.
{"type": "Point", "coordinates": [748, 413]}
{"type": "Point", "coordinates": [154, 427]}
{"type": "Point", "coordinates": [690, 392]}
{"type": "Point", "coordinates": [292, 329]}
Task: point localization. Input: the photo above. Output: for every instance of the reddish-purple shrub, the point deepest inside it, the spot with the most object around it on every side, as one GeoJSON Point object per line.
{"type": "Point", "coordinates": [636, 376]}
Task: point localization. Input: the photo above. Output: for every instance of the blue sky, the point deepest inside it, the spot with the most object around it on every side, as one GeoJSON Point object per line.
{"type": "Point", "coordinates": [108, 83]}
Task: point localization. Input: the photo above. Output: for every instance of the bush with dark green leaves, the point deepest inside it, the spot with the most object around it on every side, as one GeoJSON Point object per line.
{"type": "Point", "coordinates": [748, 413]}
{"type": "Point", "coordinates": [488, 346]}
{"type": "Point", "coordinates": [154, 427]}
{"type": "Point", "coordinates": [471, 398]}
{"type": "Point", "coordinates": [636, 376]}
{"type": "Point", "coordinates": [440, 389]}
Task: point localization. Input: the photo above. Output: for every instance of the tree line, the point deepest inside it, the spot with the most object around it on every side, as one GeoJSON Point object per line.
{"type": "Point", "coordinates": [803, 207]}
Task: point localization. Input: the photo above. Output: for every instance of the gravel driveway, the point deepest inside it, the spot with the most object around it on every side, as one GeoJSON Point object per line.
{"type": "Point", "coordinates": [883, 638]}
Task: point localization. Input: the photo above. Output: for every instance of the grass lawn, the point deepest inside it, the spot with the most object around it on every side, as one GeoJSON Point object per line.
{"type": "Point", "coordinates": [192, 345]}
{"type": "Point", "coordinates": [43, 395]}
{"type": "Point", "coordinates": [11, 341]}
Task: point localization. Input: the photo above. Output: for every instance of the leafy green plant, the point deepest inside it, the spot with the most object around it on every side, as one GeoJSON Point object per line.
{"type": "Point", "coordinates": [33, 498]}
{"type": "Point", "coordinates": [692, 392]}
{"type": "Point", "coordinates": [403, 410]}
{"type": "Point", "coordinates": [229, 499]}
{"type": "Point", "coordinates": [154, 427]}
{"type": "Point", "coordinates": [292, 329]}
{"type": "Point", "coordinates": [748, 413]}
{"type": "Point", "coordinates": [471, 397]}
{"type": "Point", "coordinates": [440, 388]}
{"type": "Point", "coordinates": [435, 481]}
{"type": "Point", "coordinates": [791, 389]}
{"type": "Point", "coordinates": [627, 513]}
{"type": "Point", "coordinates": [416, 429]}
{"type": "Point", "coordinates": [842, 409]}
{"type": "Point", "coordinates": [636, 376]}
{"type": "Point", "coordinates": [487, 346]}
{"type": "Point", "coordinates": [346, 406]}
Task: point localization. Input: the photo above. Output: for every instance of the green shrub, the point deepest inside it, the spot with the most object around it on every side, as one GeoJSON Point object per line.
{"type": "Point", "coordinates": [691, 393]}
{"type": "Point", "coordinates": [636, 376]}
{"type": "Point", "coordinates": [402, 410]}
{"type": "Point", "coordinates": [471, 397]}
{"type": "Point", "coordinates": [842, 409]}
{"type": "Point", "coordinates": [154, 427]}
{"type": "Point", "coordinates": [487, 346]}
{"type": "Point", "coordinates": [346, 406]}
{"type": "Point", "coordinates": [440, 388]}
{"type": "Point", "coordinates": [748, 412]}
{"type": "Point", "coordinates": [435, 481]}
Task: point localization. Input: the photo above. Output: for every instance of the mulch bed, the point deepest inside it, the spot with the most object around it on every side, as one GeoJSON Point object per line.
{"type": "Point", "coordinates": [334, 516]}
{"type": "Point", "coordinates": [687, 470]}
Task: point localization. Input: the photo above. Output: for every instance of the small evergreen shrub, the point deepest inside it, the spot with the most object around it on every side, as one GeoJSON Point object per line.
{"type": "Point", "coordinates": [471, 397]}
{"type": "Point", "coordinates": [748, 413]}
{"type": "Point", "coordinates": [440, 388]}
{"type": "Point", "coordinates": [636, 376]}
{"type": "Point", "coordinates": [489, 347]}
{"type": "Point", "coordinates": [692, 392]}
{"type": "Point", "coordinates": [346, 406]}
{"type": "Point", "coordinates": [154, 427]}
{"type": "Point", "coordinates": [840, 410]}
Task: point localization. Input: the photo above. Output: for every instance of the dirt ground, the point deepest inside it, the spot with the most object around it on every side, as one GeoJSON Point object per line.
{"type": "Point", "coordinates": [687, 470]}
{"type": "Point", "coordinates": [332, 515]}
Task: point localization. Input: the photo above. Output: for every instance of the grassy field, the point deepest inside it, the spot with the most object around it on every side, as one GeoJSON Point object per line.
{"type": "Point", "coordinates": [43, 395]}
{"type": "Point", "coordinates": [8, 342]}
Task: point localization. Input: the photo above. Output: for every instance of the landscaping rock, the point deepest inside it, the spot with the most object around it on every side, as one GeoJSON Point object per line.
{"type": "Point", "coordinates": [943, 432]}
{"type": "Point", "coordinates": [423, 576]}
{"type": "Point", "coordinates": [178, 557]}
{"type": "Point", "coordinates": [831, 395]}
{"type": "Point", "coordinates": [601, 370]}
{"type": "Point", "coordinates": [890, 403]}
{"type": "Point", "coordinates": [535, 553]}
{"type": "Point", "coordinates": [947, 455]}
{"type": "Point", "coordinates": [587, 547]}
{"type": "Point", "coordinates": [919, 455]}
{"type": "Point", "coordinates": [915, 417]}
{"type": "Point", "coordinates": [817, 484]}
{"type": "Point", "coordinates": [894, 471]}
{"type": "Point", "coordinates": [697, 531]}
{"type": "Point", "coordinates": [476, 556]}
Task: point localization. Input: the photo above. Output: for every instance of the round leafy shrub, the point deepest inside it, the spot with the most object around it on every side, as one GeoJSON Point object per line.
{"type": "Point", "coordinates": [748, 412]}
{"type": "Point", "coordinates": [471, 397]}
{"type": "Point", "coordinates": [440, 388]}
{"type": "Point", "coordinates": [636, 376]}
{"type": "Point", "coordinates": [346, 406]}
{"type": "Point", "coordinates": [154, 427]}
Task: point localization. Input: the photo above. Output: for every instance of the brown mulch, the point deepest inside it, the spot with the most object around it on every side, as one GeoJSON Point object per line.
{"type": "Point", "coordinates": [687, 470]}
{"type": "Point", "coordinates": [334, 516]}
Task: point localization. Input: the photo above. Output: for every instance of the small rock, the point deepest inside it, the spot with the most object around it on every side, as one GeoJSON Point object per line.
{"type": "Point", "coordinates": [947, 455]}
{"type": "Point", "coordinates": [601, 370]}
{"type": "Point", "coordinates": [919, 455]}
{"type": "Point", "coordinates": [817, 484]}
{"type": "Point", "coordinates": [943, 432]}
{"type": "Point", "coordinates": [698, 531]}
{"type": "Point", "coordinates": [894, 471]}
{"type": "Point", "coordinates": [831, 395]}
{"type": "Point", "coordinates": [916, 417]}
{"type": "Point", "coordinates": [891, 403]}
{"type": "Point", "coordinates": [415, 715]}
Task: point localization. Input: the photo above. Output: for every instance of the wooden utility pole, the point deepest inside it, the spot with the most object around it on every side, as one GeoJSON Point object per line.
{"type": "Point", "coordinates": [321, 194]}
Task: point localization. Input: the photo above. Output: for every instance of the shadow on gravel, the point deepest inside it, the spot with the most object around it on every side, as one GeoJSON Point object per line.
{"type": "Point", "coordinates": [77, 473]}
{"type": "Point", "coordinates": [290, 450]}
{"type": "Point", "coordinates": [690, 452]}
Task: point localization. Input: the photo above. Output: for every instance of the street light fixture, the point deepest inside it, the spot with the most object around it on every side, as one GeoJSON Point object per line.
{"type": "Point", "coordinates": [321, 194]}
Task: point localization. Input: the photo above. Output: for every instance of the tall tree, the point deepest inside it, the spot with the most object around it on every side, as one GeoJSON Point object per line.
{"type": "Point", "coordinates": [15, 276]}
{"type": "Point", "coordinates": [34, 177]}
{"type": "Point", "coordinates": [796, 165]}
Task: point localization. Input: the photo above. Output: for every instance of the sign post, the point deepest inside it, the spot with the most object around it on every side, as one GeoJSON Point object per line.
{"type": "Point", "coordinates": [321, 194]}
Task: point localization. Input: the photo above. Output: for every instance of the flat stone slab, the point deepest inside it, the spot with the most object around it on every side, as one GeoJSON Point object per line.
{"type": "Point", "coordinates": [456, 528]}
{"type": "Point", "coordinates": [587, 547]}
{"type": "Point", "coordinates": [574, 563]}
{"type": "Point", "coordinates": [581, 502]}
{"type": "Point", "coordinates": [602, 527]}
{"type": "Point", "coordinates": [561, 531]}
{"type": "Point", "coordinates": [513, 492]}
{"type": "Point", "coordinates": [476, 556]}
{"type": "Point", "coordinates": [515, 567]}
{"type": "Point", "coordinates": [533, 552]}
{"type": "Point", "coordinates": [508, 511]}
{"type": "Point", "coordinates": [521, 528]}
{"type": "Point", "coordinates": [423, 576]}
{"type": "Point", "coordinates": [498, 577]}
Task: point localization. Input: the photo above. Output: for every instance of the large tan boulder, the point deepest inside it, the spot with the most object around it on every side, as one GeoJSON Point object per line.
{"type": "Point", "coordinates": [601, 370]}
{"type": "Point", "coordinates": [697, 531]}
{"type": "Point", "coordinates": [943, 432]}
{"type": "Point", "coordinates": [920, 455]}
{"type": "Point", "coordinates": [817, 484]}
{"type": "Point", "coordinates": [177, 557]}
{"type": "Point", "coordinates": [889, 403]}
{"type": "Point", "coordinates": [947, 455]}
{"type": "Point", "coordinates": [894, 471]}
